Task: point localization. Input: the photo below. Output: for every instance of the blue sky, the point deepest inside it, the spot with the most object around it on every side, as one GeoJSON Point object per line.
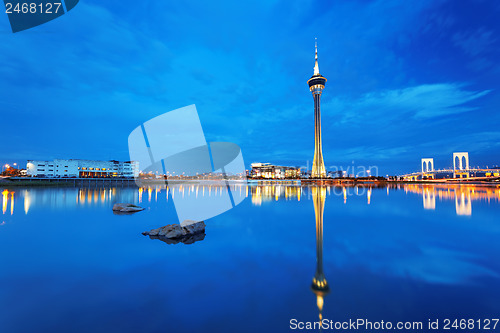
{"type": "Point", "coordinates": [406, 79]}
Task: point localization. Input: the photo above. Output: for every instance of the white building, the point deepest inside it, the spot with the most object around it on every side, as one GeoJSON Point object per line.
{"type": "Point", "coordinates": [269, 171]}
{"type": "Point", "coordinates": [82, 169]}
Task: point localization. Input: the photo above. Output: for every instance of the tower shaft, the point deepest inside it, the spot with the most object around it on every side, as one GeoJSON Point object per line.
{"type": "Point", "coordinates": [318, 169]}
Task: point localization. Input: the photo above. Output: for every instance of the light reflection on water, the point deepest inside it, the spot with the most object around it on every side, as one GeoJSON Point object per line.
{"type": "Point", "coordinates": [462, 195]}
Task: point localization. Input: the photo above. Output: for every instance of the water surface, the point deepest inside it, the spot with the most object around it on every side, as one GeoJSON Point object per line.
{"type": "Point", "coordinates": [407, 253]}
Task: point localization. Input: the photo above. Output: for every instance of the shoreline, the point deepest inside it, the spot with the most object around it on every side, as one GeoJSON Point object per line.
{"type": "Point", "coordinates": [127, 182]}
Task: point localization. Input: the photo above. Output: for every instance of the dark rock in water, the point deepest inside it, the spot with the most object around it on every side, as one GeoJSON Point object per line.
{"type": "Point", "coordinates": [172, 231]}
{"type": "Point", "coordinates": [193, 227]}
{"type": "Point", "coordinates": [152, 232]}
{"type": "Point", "coordinates": [117, 212]}
{"type": "Point", "coordinates": [177, 233]}
{"type": "Point", "coordinates": [126, 208]}
{"type": "Point", "coordinates": [177, 230]}
{"type": "Point", "coordinates": [186, 239]}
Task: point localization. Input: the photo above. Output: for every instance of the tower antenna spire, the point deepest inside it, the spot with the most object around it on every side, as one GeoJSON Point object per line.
{"type": "Point", "coordinates": [316, 66]}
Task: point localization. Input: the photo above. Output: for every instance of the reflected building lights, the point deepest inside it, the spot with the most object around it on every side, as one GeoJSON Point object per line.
{"type": "Point", "coordinates": [5, 198]}
{"type": "Point", "coordinates": [11, 203]}
{"type": "Point", "coordinates": [27, 202]}
{"type": "Point", "coordinates": [429, 198]}
{"type": "Point", "coordinates": [62, 197]}
{"type": "Point", "coordinates": [463, 195]}
{"type": "Point", "coordinates": [463, 204]}
{"type": "Point", "coordinates": [263, 193]}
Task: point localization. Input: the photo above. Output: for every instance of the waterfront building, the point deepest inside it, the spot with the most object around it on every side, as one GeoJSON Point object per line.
{"type": "Point", "coordinates": [336, 174]}
{"type": "Point", "coordinates": [270, 171]}
{"type": "Point", "coordinates": [316, 85]}
{"type": "Point", "coordinates": [82, 169]}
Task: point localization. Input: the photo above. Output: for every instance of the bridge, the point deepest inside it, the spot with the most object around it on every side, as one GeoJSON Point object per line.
{"type": "Point", "coordinates": [461, 171]}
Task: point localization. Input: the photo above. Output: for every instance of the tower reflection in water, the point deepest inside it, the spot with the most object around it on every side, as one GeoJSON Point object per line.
{"type": "Point", "coordinates": [319, 284]}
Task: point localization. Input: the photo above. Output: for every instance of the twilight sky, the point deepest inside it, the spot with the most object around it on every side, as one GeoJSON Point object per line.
{"type": "Point", "coordinates": [406, 79]}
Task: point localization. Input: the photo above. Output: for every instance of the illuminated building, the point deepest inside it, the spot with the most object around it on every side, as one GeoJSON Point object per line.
{"type": "Point", "coordinates": [316, 85]}
{"type": "Point", "coordinates": [269, 171]}
{"type": "Point", "coordinates": [82, 169]}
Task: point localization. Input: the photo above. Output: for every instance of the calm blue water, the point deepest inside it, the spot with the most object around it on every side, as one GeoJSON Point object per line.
{"type": "Point", "coordinates": [68, 264]}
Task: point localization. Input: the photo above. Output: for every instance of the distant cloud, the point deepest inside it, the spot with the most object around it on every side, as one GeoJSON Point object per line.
{"type": "Point", "coordinates": [423, 101]}
{"type": "Point", "coordinates": [475, 42]}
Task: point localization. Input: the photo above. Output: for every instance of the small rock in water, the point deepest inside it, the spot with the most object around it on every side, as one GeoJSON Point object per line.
{"type": "Point", "coordinates": [126, 208]}
{"type": "Point", "coordinates": [184, 232]}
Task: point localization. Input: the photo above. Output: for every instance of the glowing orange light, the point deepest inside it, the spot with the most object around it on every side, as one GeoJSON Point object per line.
{"type": "Point", "coordinates": [11, 203]}
{"type": "Point", "coordinates": [5, 194]}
